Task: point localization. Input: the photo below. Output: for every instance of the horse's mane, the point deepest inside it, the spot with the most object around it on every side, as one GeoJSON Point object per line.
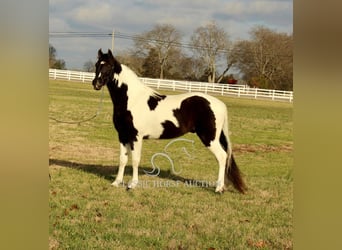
{"type": "Point", "coordinates": [130, 78]}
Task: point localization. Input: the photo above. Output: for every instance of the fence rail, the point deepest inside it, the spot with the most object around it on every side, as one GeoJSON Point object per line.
{"type": "Point", "coordinates": [210, 88]}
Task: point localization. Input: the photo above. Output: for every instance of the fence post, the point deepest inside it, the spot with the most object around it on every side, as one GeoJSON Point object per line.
{"type": "Point", "coordinates": [55, 74]}
{"type": "Point", "coordinates": [256, 93]}
{"type": "Point", "coordinates": [273, 93]}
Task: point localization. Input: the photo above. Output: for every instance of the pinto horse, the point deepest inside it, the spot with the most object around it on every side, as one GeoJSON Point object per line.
{"type": "Point", "coordinates": [142, 113]}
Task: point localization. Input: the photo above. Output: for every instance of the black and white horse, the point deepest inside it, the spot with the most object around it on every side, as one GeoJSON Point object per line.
{"type": "Point", "coordinates": [142, 113]}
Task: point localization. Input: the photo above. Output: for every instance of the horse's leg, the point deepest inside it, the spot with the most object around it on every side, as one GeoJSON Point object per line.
{"type": "Point", "coordinates": [136, 155]}
{"type": "Point", "coordinates": [221, 156]}
{"type": "Point", "coordinates": [124, 150]}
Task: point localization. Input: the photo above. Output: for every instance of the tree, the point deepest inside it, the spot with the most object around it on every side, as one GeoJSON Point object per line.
{"type": "Point", "coordinates": [266, 59]}
{"type": "Point", "coordinates": [53, 61]}
{"type": "Point", "coordinates": [209, 42]}
{"type": "Point", "coordinates": [232, 60]}
{"type": "Point", "coordinates": [193, 68]}
{"type": "Point", "coordinates": [162, 40]}
{"type": "Point", "coordinates": [52, 55]}
{"type": "Point", "coordinates": [89, 66]}
{"type": "Point", "coordinates": [132, 59]}
{"type": "Point", "coordinates": [151, 64]}
{"type": "Point", "coordinates": [184, 68]}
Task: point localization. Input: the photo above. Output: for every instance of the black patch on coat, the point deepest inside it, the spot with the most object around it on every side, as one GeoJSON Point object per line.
{"type": "Point", "coordinates": [171, 131]}
{"type": "Point", "coordinates": [223, 141]}
{"type": "Point", "coordinates": [117, 67]}
{"type": "Point", "coordinates": [194, 115]}
{"type": "Point", "coordinates": [154, 99]}
{"type": "Point", "coordinates": [122, 118]}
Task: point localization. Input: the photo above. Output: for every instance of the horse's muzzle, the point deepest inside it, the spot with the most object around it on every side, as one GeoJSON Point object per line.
{"type": "Point", "coordinates": [96, 84]}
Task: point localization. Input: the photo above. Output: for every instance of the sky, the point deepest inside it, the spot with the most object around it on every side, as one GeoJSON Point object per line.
{"type": "Point", "coordinates": [132, 17]}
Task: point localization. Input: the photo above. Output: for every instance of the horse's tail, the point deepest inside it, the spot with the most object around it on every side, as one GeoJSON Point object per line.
{"type": "Point", "coordinates": [233, 173]}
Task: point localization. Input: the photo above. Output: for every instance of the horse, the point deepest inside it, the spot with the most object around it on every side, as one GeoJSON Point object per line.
{"type": "Point", "coordinates": [140, 113]}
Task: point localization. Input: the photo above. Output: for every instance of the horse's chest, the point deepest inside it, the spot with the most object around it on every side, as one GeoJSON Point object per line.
{"type": "Point", "coordinates": [123, 122]}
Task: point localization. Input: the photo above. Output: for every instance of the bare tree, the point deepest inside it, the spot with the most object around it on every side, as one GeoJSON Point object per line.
{"type": "Point", "coordinates": [131, 59]}
{"type": "Point", "coordinates": [89, 66]}
{"type": "Point", "coordinates": [209, 43]}
{"type": "Point", "coordinates": [232, 59]}
{"type": "Point", "coordinates": [162, 40]}
{"type": "Point", "coordinates": [266, 59]}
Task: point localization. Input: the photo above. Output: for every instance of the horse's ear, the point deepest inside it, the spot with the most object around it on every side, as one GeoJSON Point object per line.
{"type": "Point", "coordinates": [110, 53]}
{"type": "Point", "coordinates": [99, 53]}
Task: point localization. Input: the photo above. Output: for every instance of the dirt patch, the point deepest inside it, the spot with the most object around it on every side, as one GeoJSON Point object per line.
{"type": "Point", "coordinates": [245, 148]}
{"type": "Point", "coordinates": [53, 243]}
{"type": "Point", "coordinates": [82, 151]}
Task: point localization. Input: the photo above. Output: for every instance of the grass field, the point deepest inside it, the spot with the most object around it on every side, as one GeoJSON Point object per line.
{"type": "Point", "coordinates": [167, 211]}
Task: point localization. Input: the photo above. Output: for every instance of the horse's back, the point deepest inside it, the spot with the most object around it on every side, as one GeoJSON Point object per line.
{"type": "Point", "coordinates": [175, 115]}
{"type": "Point", "coordinates": [211, 99]}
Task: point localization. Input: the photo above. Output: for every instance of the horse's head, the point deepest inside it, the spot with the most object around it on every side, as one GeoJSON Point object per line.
{"type": "Point", "coordinates": [105, 68]}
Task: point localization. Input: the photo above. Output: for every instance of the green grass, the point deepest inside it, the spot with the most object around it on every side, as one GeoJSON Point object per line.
{"type": "Point", "coordinates": [166, 212]}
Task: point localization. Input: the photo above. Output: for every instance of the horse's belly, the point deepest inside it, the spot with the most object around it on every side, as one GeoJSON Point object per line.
{"type": "Point", "coordinates": [153, 126]}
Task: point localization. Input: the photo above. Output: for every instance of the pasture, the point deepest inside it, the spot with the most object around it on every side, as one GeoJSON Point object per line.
{"type": "Point", "coordinates": [167, 211]}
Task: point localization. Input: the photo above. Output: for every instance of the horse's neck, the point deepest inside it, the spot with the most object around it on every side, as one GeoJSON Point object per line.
{"type": "Point", "coordinates": [128, 84]}
{"type": "Point", "coordinates": [136, 89]}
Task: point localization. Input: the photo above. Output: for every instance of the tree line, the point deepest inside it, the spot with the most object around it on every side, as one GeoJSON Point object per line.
{"type": "Point", "coordinates": [53, 61]}
{"type": "Point", "coordinates": [264, 60]}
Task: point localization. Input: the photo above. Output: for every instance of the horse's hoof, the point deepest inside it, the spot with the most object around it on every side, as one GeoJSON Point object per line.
{"type": "Point", "coordinates": [219, 190]}
{"type": "Point", "coordinates": [116, 183]}
{"type": "Point", "coordinates": [132, 184]}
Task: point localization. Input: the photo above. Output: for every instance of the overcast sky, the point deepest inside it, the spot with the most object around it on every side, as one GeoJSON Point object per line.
{"type": "Point", "coordinates": [133, 17]}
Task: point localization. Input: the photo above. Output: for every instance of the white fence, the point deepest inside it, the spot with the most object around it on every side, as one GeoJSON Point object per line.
{"type": "Point", "coordinates": [211, 88]}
